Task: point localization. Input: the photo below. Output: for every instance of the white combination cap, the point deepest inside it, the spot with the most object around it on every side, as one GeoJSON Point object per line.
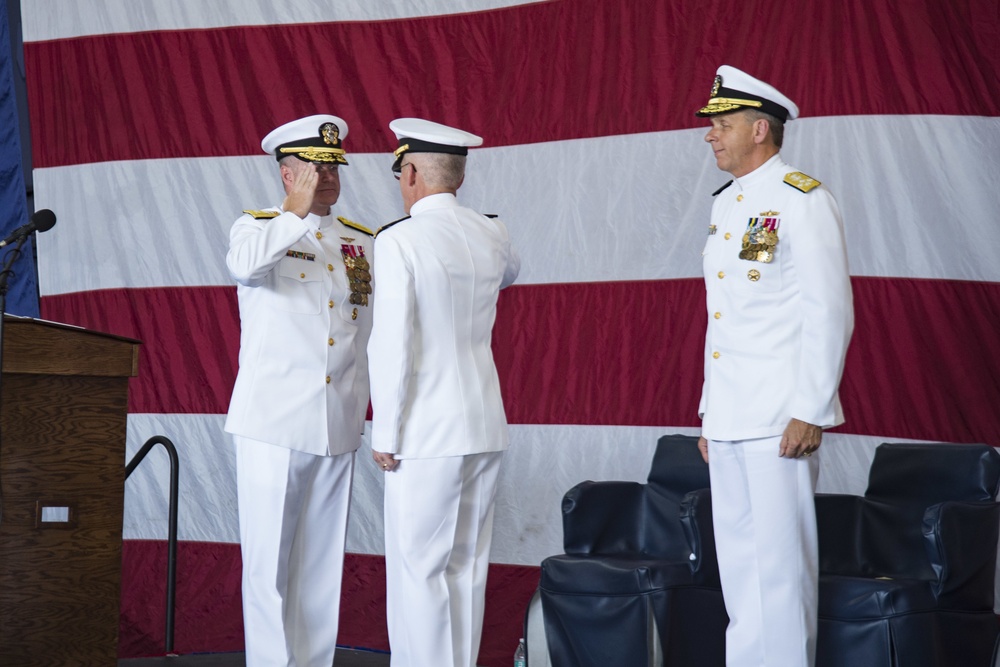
{"type": "Point", "coordinates": [734, 90]}
{"type": "Point", "coordinates": [416, 135]}
{"type": "Point", "coordinates": [311, 139]}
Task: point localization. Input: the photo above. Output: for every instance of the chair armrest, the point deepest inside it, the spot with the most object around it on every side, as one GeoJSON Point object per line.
{"type": "Point", "coordinates": [961, 543]}
{"type": "Point", "coordinates": [696, 519]}
{"type": "Point", "coordinates": [838, 524]}
{"type": "Point", "coordinates": [603, 518]}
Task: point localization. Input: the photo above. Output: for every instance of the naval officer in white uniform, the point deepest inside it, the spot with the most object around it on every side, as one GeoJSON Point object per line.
{"type": "Point", "coordinates": [299, 403]}
{"type": "Point", "coordinates": [439, 429]}
{"type": "Point", "coordinates": [780, 318]}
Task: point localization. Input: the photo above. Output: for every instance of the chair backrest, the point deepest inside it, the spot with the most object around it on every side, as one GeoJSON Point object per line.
{"type": "Point", "coordinates": [906, 479]}
{"type": "Point", "coordinates": [677, 469]}
{"type": "Point", "coordinates": [929, 473]}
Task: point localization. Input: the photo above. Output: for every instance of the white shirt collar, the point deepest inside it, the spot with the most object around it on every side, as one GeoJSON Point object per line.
{"type": "Point", "coordinates": [762, 173]}
{"type": "Point", "coordinates": [430, 202]}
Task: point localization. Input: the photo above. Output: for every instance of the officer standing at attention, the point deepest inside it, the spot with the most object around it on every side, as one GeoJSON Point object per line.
{"type": "Point", "coordinates": [780, 317]}
{"type": "Point", "coordinates": [438, 424]}
{"type": "Point", "coordinates": [299, 403]}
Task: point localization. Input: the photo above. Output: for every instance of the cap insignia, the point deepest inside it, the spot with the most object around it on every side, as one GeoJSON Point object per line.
{"type": "Point", "coordinates": [330, 133]}
{"type": "Point", "coordinates": [716, 85]}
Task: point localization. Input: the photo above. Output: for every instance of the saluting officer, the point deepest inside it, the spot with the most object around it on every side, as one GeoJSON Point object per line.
{"type": "Point", "coordinates": [780, 318]}
{"type": "Point", "coordinates": [298, 407]}
{"type": "Point", "coordinates": [438, 424]}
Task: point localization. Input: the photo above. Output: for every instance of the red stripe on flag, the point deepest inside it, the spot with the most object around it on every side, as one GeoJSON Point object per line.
{"type": "Point", "coordinates": [923, 363]}
{"type": "Point", "coordinates": [539, 72]}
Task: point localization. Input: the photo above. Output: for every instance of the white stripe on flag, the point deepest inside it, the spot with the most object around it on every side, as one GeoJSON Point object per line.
{"type": "Point", "coordinates": [543, 462]}
{"type": "Point", "coordinates": [61, 19]}
{"type": "Point", "coordinates": [630, 207]}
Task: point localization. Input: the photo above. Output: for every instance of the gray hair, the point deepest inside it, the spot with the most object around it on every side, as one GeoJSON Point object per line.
{"type": "Point", "coordinates": [775, 124]}
{"type": "Point", "coordinates": [441, 171]}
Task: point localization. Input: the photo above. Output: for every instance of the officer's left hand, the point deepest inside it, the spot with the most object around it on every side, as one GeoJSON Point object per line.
{"type": "Point", "coordinates": [703, 448]}
{"type": "Point", "coordinates": [385, 461]}
{"type": "Point", "coordinates": [800, 439]}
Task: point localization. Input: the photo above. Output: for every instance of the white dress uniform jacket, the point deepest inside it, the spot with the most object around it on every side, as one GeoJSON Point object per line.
{"type": "Point", "coordinates": [435, 389]}
{"type": "Point", "coordinates": [303, 376]}
{"type": "Point", "coordinates": [777, 332]}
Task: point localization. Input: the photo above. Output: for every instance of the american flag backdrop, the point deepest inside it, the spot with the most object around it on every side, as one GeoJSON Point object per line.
{"type": "Point", "coordinates": [146, 118]}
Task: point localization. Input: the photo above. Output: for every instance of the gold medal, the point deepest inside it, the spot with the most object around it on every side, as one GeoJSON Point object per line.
{"type": "Point", "coordinates": [358, 276]}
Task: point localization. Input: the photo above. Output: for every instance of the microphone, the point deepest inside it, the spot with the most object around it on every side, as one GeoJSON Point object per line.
{"type": "Point", "coordinates": [41, 221]}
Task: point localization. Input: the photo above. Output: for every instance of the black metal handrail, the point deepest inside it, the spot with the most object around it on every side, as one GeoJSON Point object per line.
{"type": "Point", "coordinates": [171, 527]}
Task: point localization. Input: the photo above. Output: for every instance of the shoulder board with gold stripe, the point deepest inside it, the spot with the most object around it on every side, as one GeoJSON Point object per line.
{"type": "Point", "coordinates": [261, 215]}
{"type": "Point", "coordinates": [728, 183]}
{"type": "Point", "coordinates": [800, 181]}
{"type": "Point", "coordinates": [353, 225]}
{"type": "Point", "coordinates": [389, 224]}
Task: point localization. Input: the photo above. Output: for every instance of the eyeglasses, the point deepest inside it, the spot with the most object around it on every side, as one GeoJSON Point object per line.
{"type": "Point", "coordinates": [327, 168]}
{"type": "Point", "coordinates": [399, 173]}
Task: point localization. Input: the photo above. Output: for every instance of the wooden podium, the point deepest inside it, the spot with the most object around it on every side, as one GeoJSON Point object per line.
{"type": "Point", "coordinates": [62, 475]}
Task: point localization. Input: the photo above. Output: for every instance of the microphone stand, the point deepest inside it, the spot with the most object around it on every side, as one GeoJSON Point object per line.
{"type": "Point", "coordinates": [5, 274]}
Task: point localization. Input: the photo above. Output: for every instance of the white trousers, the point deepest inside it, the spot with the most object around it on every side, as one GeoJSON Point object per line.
{"type": "Point", "coordinates": [765, 533]}
{"type": "Point", "coordinates": [293, 511]}
{"type": "Point", "coordinates": [438, 529]}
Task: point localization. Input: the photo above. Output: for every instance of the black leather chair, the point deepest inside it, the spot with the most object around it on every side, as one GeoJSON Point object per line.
{"type": "Point", "coordinates": [907, 571]}
{"type": "Point", "coordinates": [639, 582]}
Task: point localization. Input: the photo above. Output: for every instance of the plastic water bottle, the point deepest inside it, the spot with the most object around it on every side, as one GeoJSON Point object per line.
{"type": "Point", "coordinates": [520, 659]}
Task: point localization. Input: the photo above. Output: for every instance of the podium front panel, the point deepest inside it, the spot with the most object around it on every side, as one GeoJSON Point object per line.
{"type": "Point", "coordinates": [62, 475]}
